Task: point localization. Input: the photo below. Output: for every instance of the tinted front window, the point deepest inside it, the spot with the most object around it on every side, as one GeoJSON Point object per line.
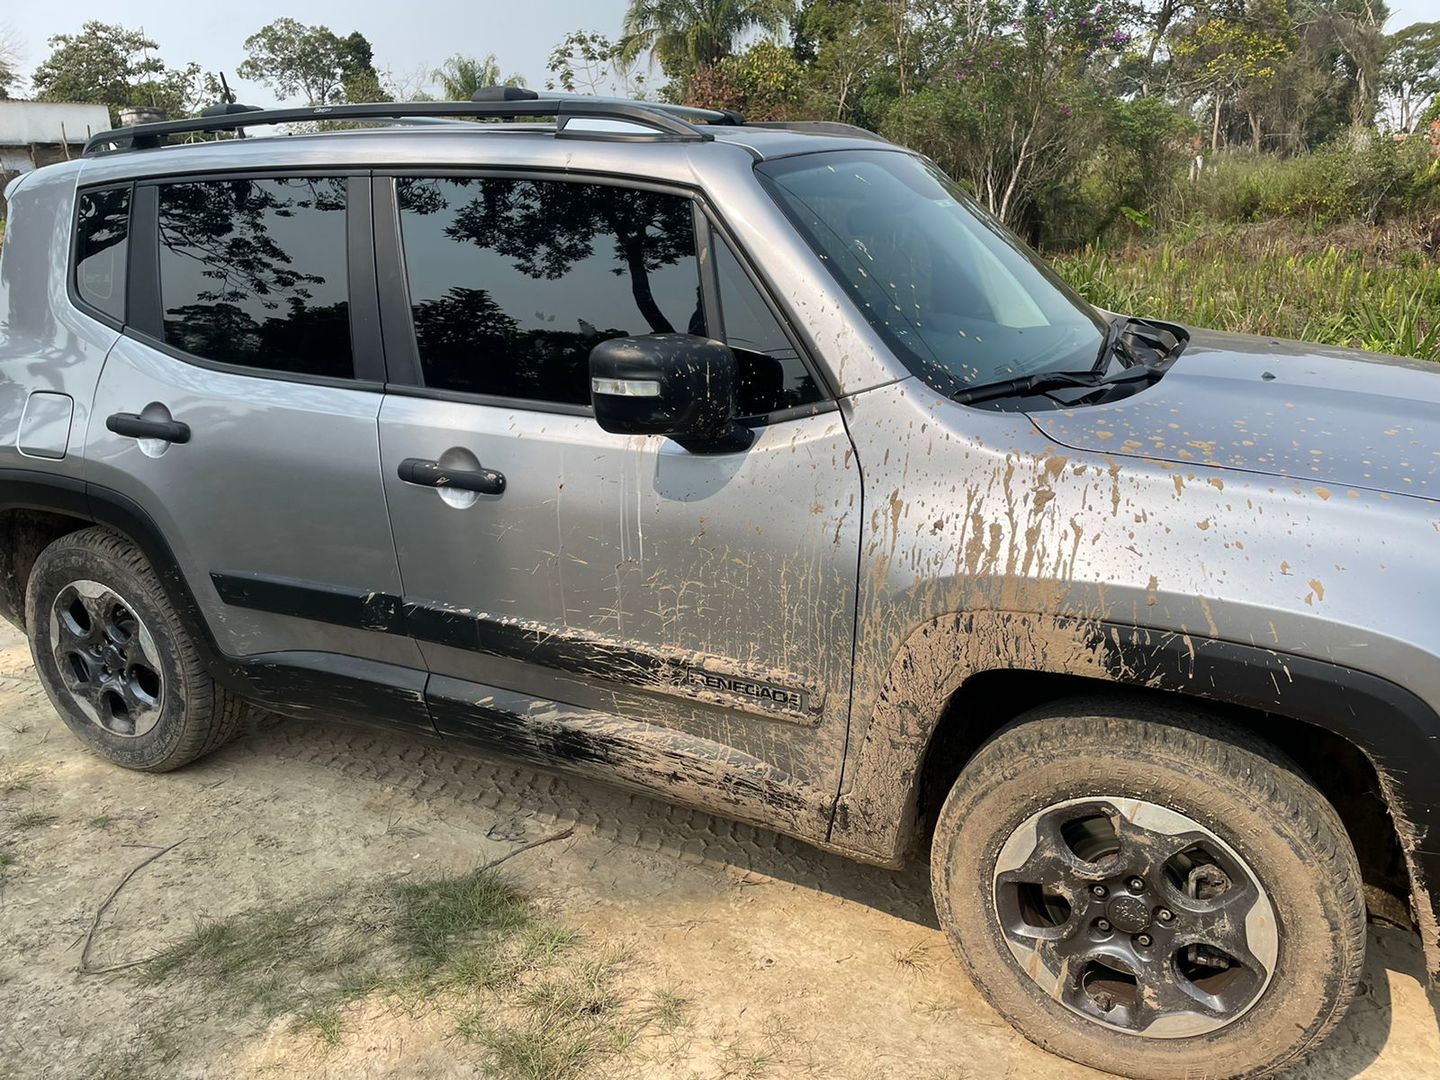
{"type": "Point", "coordinates": [772, 375]}
{"type": "Point", "coordinates": [959, 299]}
{"type": "Point", "coordinates": [513, 282]}
{"type": "Point", "coordinates": [101, 243]}
{"type": "Point", "coordinates": [253, 272]}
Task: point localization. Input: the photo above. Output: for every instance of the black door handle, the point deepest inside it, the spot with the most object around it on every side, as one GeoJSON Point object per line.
{"type": "Point", "coordinates": [432, 474]}
{"type": "Point", "coordinates": [137, 427]}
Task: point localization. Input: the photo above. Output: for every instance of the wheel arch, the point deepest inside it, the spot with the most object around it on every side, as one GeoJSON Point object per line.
{"type": "Point", "coordinates": [39, 508]}
{"type": "Point", "coordinates": [1368, 744]}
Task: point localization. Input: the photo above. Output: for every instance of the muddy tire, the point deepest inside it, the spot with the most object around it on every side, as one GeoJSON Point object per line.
{"type": "Point", "coordinates": [115, 659]}
{"type": "Point", "coordinates": [1150, 892]}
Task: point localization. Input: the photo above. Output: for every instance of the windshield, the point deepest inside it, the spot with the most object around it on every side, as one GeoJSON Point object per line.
{"type": "Point", "coordinates": [958, 298]}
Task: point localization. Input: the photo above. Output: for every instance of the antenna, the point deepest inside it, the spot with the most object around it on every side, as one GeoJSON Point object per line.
{"type": "Point", "coordinates": [227, 98]}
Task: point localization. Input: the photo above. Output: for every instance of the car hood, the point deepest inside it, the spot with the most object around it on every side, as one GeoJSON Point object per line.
{"type": "Point", "coordinates": [1334, 417]}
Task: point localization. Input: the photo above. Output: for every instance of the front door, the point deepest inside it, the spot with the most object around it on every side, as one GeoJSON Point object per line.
{"type": "Point", "coordinates": [699, 605]}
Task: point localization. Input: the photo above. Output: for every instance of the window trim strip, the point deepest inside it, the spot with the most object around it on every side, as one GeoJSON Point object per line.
{"type": "Point", "coordinates": [144, 311]}
{"type": "Point", "coordinates": [367, 352]}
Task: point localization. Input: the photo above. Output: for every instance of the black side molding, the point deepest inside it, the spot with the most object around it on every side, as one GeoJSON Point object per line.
{"type": "Point", "coordinates": [574, 653]}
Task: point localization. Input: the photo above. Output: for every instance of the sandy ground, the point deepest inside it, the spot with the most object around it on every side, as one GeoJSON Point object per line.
{"type": "Point", "coordinates": [797, 964]}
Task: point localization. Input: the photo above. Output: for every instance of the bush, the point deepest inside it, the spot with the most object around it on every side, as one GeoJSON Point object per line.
{"type": "Point", "coordinates": [1269, 280]}
{"type": "Point", "coordinates": [1130, 178]}
{"type": "Point", "coordinates": [1374, 181]}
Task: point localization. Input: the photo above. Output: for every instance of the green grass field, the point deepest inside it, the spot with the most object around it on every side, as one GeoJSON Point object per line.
{"type": "Point", "coordinates": [1365, 288]}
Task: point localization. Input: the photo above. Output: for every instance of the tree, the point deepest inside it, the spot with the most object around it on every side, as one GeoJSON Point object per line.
{"type": "Point", "coordinates": [101, 64]}
{"type": "Point", "coordinates": [1411, 75]}
{"type": "Point", "coordinates": [691, 35]}
{"type": "Point", "coordinates": [1357, 47]}
{"type": "Point", "coordinates": [846, 48]}
{"type": "Point", "coordinates": [9, 61]}
{"type": "Point", "coordinates": [311, 62]}
{"type": "Point", "coordinates": [111, 65]}
{"type": "Point", "coordinates": [1020, 108]}
{"type": "Point", "coordinates": [762, 83]}
{"type": "Point", "coordinates": [586, 62]}
{"type": "Point", "coordinates": [1232, 60]}
{"type": "Point", "coordinates": [460, 76]}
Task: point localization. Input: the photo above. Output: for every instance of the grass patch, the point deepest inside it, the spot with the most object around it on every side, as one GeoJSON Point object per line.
{"type": "Point", "coordinates": [32, 819]}
{"type": "Point", "coordinates": [1274, 279]}
{"type": "Point", "coordinates": [524, 990]}
{"type": "Point", "coordinates": [101, 821]}
{"type": "Point", "coordinates": [327, 1023]}
{"type": "Point", "coordinates": [436, 921]}
{"type": "Point", "coordinates": [668, 1010]}
{"type": "Point", "coordinates": [913, 957]}
{"type": "Point", "coordinates": [559, 1024]}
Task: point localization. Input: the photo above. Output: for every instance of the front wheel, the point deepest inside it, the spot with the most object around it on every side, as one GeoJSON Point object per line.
{"type": "Point", "coordinates": [1150, 892]}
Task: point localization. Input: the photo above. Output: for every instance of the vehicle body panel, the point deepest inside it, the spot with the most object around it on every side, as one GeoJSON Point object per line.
{"type": "Point", "coordinates": [1018, 526]}
{"type": "Point", "coordinates": [714, 594]}
{"type": "Point", "coordinates": [279, 478]}
{"type": "Point", "coordinates": [46, 342]}
{"type": "Point", "coordinates": [1331, 417]}
{"type": "Point", "coordinates": [987, 546]}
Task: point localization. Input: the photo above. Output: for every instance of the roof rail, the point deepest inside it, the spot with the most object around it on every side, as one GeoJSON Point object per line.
{"type": "Point", "coordinates": [819, 127]}
{"type": "Point", "coordinates": [671, 122]}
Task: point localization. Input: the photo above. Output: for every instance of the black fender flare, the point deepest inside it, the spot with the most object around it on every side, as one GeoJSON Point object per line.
{"type": "Point", "coordinates": [1397, 731]}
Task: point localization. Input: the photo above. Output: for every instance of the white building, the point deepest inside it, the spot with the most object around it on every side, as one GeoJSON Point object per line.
{"type": "Point", "coordinates": [36, 133]}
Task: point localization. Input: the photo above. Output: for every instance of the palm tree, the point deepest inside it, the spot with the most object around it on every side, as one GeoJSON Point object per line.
{"type": "Point", "coordinates": [696, 34]}
{"type": "Point", "coordinates": [460, 76]}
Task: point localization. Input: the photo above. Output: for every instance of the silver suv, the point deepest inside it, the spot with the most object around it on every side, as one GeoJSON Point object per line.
{"type": "Point", "coordinates": [757, 467]}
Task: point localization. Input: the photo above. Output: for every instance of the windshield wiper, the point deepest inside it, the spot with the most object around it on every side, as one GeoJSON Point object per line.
{"type": "Point", "coordinates": [1044, 381]}
{"type": "Point", "coordinates": [1115, 342]}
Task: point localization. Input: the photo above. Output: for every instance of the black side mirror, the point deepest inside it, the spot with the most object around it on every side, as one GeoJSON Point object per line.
{"type": "Point", "coordinates": [668, 384]}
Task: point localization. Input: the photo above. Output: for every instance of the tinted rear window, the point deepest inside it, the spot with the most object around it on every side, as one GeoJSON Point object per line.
{"type": "Point", "coordinates": [253, 272]}
{"type": "Point", "coordinates": [102, 242]}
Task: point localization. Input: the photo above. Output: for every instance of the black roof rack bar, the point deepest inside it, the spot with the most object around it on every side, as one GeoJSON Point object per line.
{"type": "Point", "coordinates": [661, 119]}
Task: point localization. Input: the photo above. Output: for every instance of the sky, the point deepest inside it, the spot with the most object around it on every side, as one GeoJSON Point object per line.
{"type": "Point", "coordinates": [408, 36]}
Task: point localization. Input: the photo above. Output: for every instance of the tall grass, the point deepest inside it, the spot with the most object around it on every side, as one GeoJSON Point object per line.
{"type": "Point", "coordinates": [1268, 280]}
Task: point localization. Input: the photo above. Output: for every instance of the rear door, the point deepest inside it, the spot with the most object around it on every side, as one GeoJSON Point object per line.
{"type": "Point", "coordinates": [709, 595]}
{"type": "Point", "coordinates": [252, 324]}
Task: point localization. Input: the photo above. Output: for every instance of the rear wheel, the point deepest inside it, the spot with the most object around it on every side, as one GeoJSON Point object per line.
{"type": "Point", "coordinates": [115, 660]}
{"type": "Point", "coordinates": [1150, 892]}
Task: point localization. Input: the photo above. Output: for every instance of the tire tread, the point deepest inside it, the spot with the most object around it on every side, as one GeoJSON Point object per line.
{"type": "Point", "coordinates": [1188, 739]}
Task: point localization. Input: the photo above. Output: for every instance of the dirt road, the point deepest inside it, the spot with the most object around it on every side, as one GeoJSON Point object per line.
{"type": "Point", "coordinates": [778, 961]}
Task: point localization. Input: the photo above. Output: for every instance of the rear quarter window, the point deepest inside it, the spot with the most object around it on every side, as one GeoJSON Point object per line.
{"type": "Point", "coordinates": [102, 241]}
